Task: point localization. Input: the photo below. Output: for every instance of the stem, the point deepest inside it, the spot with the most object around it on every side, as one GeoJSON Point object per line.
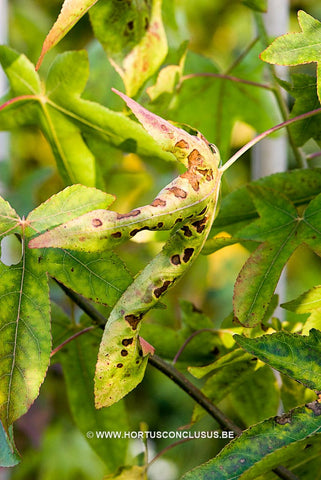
{"type": "Point", "coordinates": [180, 380]}
{"type": "Point", "coordinates": [181, 349]}
{"type": "Point", "coordinates": [70, 339]}
{"type": "Point", "coordinates": [313, 155]}
{"type": "Point", "coordinates": [260, 137]}
{"type": "Point", "coordinates": [225, 77]}
{"type": "Point", "coordinates": [92, 312]}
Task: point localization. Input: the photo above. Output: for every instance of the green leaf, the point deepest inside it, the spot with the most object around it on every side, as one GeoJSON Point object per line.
{"type": "Point", "coordinates": [249, 398]}
{"type": "Point", "coordinates": [297, 356]}
{"type": "Point", "coordinates": [78, 360]}
{"type": "Point", "coordinates": [282, 229]}
{"type": "Point", "coordinates": [307, 302]}
{"type": "Point", "coordinates": [68, 204]}
{"type": "Point", "coordinates": [298, 48]}
{"type": "Point", "coordinates": [71, 12]}
{"type": "Point", "coordinates": [263, 446]}
{"type": "Point", "coordinates": [304, 90]}
{"type": "Point", "coordinates": [64, 117]}
{"type": "Point", "coordinates": [225, 377]}
{"type": "Point", "coordinates": [299, 186]}
{"type": "Point", "coordinates": [277, 228]}
{"type": "Point", "coordinates": [25, 334]}
{"type": "Point", "coordinates": [101, 277]}
{"type": "Point", "coordinates": [135, 39]}
{"type": "Point", "coordinates": [9, 456]}
{"type": "Point", "coordinates": [8, 219]}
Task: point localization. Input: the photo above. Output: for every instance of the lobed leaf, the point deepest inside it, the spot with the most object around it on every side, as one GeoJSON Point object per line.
{"type": "Point", "coordinates": [298, 48]}
{"type": "Point", "coordinates": [297, 356]}
{"type": "Point", "coordinates": [263, 446]}
{"type": "Point", "coordinates": [101, 277]}
{"type": "Point", "coordinates": [64, 117]}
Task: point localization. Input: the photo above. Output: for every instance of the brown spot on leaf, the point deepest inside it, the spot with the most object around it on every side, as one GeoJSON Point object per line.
{"type": "Point", "coordinates": [82, 239]}
{"type": "Point", "coordinates": [136, 230]}
{"type": "Point", "coordinates": [127, 341]}
{"type": "Point", "coordinates": [160, 224]}
{"type": "Point", "coordinates": [203, 211]}
{"type": "Point", "coordinates": [120, 365]}
{"type": "Point", "coordinates": [283, 419]}
{"type": "Point", "coordinates": [133, 320]}
{"type": "Point", "coordinates": [175, 259]}
{"type": "Point", "coordinates": [133, 213]}
{"type": "Point", "coordinates": [116, 235]}
{"type": "Point", "coordinates": [187, 231]}
{"type": "Point", "coordinates": [178, 220]}
{"type": "Point", "coordinates": [160, 290]}
{"type": "Point", "coordinates": [181, 144]}
{"type": "Point", "coordinates": [178, 192]}
{"type": "Point", "coordinates": [188, 252]}
{"type": "Point", "coordinates": [96, 222]}
{"type": "Point", "coordinates": [194, 157]}
{"type": "Point", "coordinates": [158, 202]}
{"type": "Point", "coordinates": [200, 225]}
{"type": "Point", "coordinates": [124, 353]}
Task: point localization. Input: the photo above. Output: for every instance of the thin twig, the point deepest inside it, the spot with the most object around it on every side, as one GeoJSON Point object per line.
{"type": "Point", "coordinates": [194, 334]}
{"type": "Point", "coordinates": [260, 137]}
{"type": "Point", "coordinates": [313, 155]}
{"type": "Point", "coordinates": [70, 339]}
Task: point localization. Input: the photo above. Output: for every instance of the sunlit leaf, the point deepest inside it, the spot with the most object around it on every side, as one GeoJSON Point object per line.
{"type": "Point", "coordinates": [64, 117]}
{"type": "Point", "coordinates": [71, 12]}
{"type": "Point", "coordinates": [298, 48]}
{"type": "Point", "coordinates": [297, 356]}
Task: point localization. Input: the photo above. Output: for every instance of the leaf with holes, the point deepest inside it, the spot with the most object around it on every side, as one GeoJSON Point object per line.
{"type": "Point", "coordinates": [281, 229]}
{"type": "Point", "coordinates": [263, 446]}
{"type": "Point", "coordinates": [65, 118]}
{"type": "Point", "coordinates": [298, 48]}
{"type": "Point", "coordinates": [133, 36]}
{"type": "Point", "coordinates": [71, 12]}
{"type": "Point", "coordinates": [297, 356]}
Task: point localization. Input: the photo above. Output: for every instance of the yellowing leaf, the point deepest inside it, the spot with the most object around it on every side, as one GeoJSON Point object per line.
{"type": "Point", "coordinates": [134, 40]}
{"type": "Point", "coordinates": [71, 12]}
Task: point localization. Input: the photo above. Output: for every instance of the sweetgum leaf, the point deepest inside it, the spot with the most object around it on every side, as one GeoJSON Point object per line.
{"type": "Point", "coordinates": [133, 36]}
{"type": "Point", "coordinates": [281, 229]}
{"type": "Point", "coordinates": [297, 356]}
{"type": "Point", "coordinates": [263, 446]}
{"type": "Point", "coordinates": [71, 12]}
{"type": "Point", "coordinates": [64, 117]}
{"type": "Point", "coordinates": [298, 48]}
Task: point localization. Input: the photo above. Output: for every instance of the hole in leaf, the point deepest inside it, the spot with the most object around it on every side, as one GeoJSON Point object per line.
{"type": "Point", "coordinates": [11, 250]}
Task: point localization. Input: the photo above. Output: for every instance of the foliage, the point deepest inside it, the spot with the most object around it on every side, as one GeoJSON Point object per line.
{"type": "Point", "coordinates": [67, 281]}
